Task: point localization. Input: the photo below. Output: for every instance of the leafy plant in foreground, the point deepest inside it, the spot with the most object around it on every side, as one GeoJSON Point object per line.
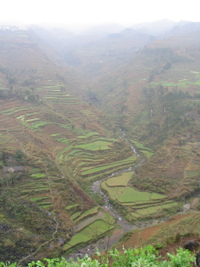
{"type": "Point", "coordinates": [142, 257]}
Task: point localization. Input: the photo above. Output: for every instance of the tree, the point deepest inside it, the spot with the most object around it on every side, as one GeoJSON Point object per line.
{"type": "Point", "coordinates": [20, 156]}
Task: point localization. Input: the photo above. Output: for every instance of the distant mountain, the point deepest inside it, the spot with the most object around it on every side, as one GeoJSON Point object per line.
{"type": "Point", "coordinates": [184, 35]}
{"type": "Point", "coordinates": [185, 28]}
{"type": "Point", "coordinates": [158, 27]}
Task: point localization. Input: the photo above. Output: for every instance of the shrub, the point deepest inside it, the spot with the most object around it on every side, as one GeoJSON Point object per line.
{"type": "Point", "coordinates": [142, 257]}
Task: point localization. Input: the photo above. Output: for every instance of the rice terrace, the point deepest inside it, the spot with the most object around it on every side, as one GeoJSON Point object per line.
{"type": "Point", "coordinates": [99, 143]}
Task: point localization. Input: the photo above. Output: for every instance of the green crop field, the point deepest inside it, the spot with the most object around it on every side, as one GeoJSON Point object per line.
{"type": "Point", "coordinates": [89, 212]}
{"type": "Point", "coordinates": [120, 180]}
{"type": "Point", "coordinates": [96, 145]}
{"type": "Point", "coordinates": [129, 194]}
{"type": "Point", "coordinates": [90, 134]}
{"type": "Point", "coordinates": [101, 168]}
{"type": "Point", "coordinates": [91, 232]}
{"type": "Point", "coordinates": [142, 203]}
{"type": "Point", "coordinates": [75, 215]}
{"type": "Point", "coordinates": [154, 209]}
{"type": "Point", "coordinates": [72, 206]}
{"type": "Point", "coordinates": [14, 110]}
{"type": "Point", "coordinates": [38, 175]}
{"type": "Point", "coordinates": [37, 198]}
{"type": "Point", "coordinates": [62, 140]}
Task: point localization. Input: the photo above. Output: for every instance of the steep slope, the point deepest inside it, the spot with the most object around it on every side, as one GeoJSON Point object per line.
{"type": "Point", "coordinates": [155, 98]}
{"type": "Point", "coordinates": [52, 145]}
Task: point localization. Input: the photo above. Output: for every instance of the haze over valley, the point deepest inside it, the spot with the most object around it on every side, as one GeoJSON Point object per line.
{"type": "Point", "coordinates": [99, 136]}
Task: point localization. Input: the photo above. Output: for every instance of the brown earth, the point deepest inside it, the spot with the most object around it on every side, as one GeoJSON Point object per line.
{"type": "Point", "coordinates": [141, 236]}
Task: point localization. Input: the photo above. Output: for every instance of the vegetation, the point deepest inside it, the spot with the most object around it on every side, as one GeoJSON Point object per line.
{"type": "Point", "coordinates": [65, 130]}
{"type": "Point", "coordinates": [146, 257]}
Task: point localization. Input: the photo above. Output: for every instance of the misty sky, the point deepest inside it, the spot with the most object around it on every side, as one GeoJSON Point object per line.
{"type": "Point", "coordinates": [126, 12]}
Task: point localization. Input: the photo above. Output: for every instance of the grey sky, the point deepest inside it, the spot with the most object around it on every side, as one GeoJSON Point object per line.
{"type": "Point", "coordinates": [124, 12]}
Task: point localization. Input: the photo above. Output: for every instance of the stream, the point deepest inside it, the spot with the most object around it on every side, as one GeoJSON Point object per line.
{"type": "Point", "coordinates": [106, 242]}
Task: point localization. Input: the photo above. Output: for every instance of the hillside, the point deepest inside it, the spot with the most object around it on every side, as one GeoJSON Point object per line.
{"type": "Point", "coordinates": [52, 145]}
{"type": "Point", "coordinates": [99, 136]}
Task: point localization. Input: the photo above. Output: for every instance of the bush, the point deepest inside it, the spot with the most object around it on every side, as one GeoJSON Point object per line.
{"type": "Point", "coordinates": [144, 257]}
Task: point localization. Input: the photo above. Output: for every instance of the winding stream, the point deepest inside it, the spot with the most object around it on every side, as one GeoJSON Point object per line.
{"type": "Point", "coordinates": [125, 226]}
{"type": "Point", "coordinates": [106, 242]}
{"type": "Point", "coordinates": [96, 188]}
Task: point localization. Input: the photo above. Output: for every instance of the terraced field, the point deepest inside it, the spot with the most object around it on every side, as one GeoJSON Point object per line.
{"type": "Point", "coordinates": [89, 226]}
{"type": "Point", "coordinates": [139, 204]}
{"type": "Point", "coordinates": [147, 152]}
{"type": "Point", "coordinates": [59, 148]}
{"type": "Point", "coordinates": [95, 157]}
{"type": "Point", "coordinates": [178, 171]}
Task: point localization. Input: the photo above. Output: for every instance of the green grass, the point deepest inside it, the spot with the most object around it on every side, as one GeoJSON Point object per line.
{"type": "Point", "coordinates": [22, 117]}
{"type": "Point", "coordinates": [101, 168]}
{"type": "Point", "coordinates": [114, 192]}
{"type": "Point", "coordinates": [60, 156]}
{"type": "Point", "coordinates": [62, 140]}
{"type": "Point", "coordinates": [37, 124]}
{"type": "Point", "coordinates": [112, 165]}
{"type": "Point", "coordinates": [130, 194]}
{"type": "Point", "coordinates": [56, 134]}
{"type": "Point", "coordinates": [120, 180]}
{"type": "Point", "coordinates": [75, 215]}
{"type": "Point", "coordinates": [91, 232]}
{"type": "Point", "coordinates": [31, 120]}
{"type": "Point", "coordinates": [147, 153]}
{"type": "Point", "coordinates": [154, 209]}
{"type": "Point", "coordinates": [95, 146]}
{"type": "Point", "coordinates": [38, 175]}
{"type": "Point", "coordinates": [72, 206]}
{"type": "Point", "coordinates": [184, 83]}
{"type": "Point", "coordinates": [13, 110]}
{"type": "Point", "coordinates": [90, 134]}
{"type": "Point", "coordinates": [45, 206]}
{"type": "Point", "coordinates": [89, 212]}
{"type": "Point", "coordinates": [38, 198]}
{"type": "Point", "coordinates": [144, 150]}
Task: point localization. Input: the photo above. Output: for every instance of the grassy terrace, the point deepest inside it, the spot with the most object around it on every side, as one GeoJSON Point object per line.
{"type": "Point", "coordinates": [194, 79]}
{"type": "Point", "coordinates": [92, 156]}
{"type": "Point", "coordinates": [120, 180]}
{"type": "Point", "coordinates": [130, 194]}
{"type": "Point", "coordinates": [123, 163]}
{"type": "Point", "coordinates": [13, 110]}
{"type": "Point", "coordinates": [95, 146]}
{"type": "Point", "coordinates": [150, 210]}
{"type": "Point", "coordinates": [140, 203]}
{"type": "Point", "coordinates": [88, 213]}
{"type": "Point", "coordinates": [147, 152]}
{"type": "Point", "coordinates": [90, 225]}
{"type": "Point", "coordinates": [93, 232]}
